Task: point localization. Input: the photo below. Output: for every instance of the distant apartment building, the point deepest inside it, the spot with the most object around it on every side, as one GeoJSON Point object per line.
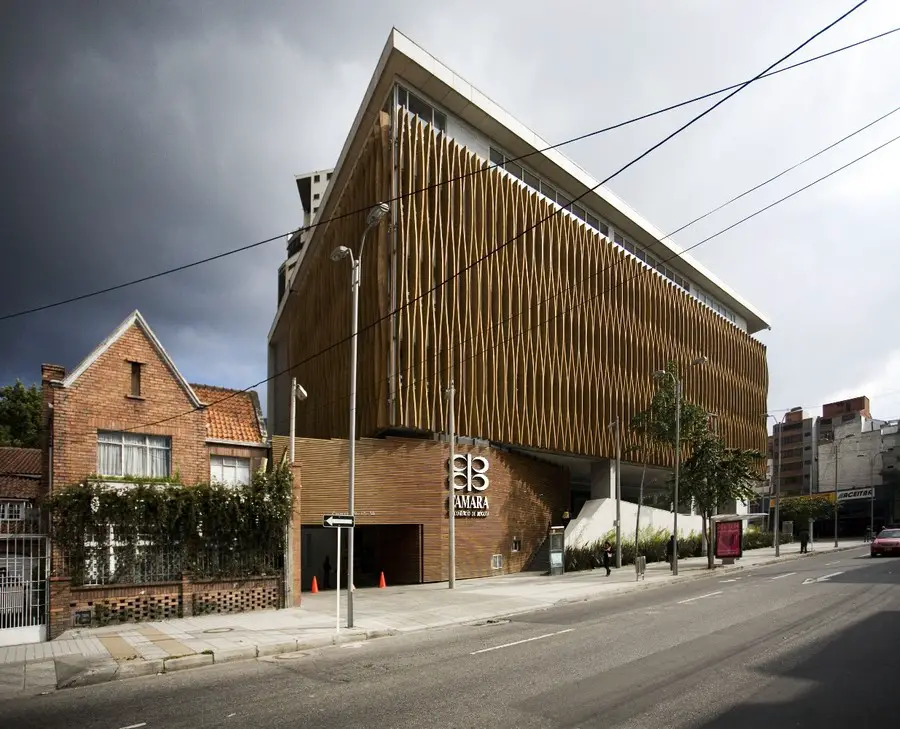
{"type": "Point", "coordinates": [792, 451]}
{"type": "Point", "coordinates": [311, 188]}
{"type": "Point", "coordinates": [855, 410]}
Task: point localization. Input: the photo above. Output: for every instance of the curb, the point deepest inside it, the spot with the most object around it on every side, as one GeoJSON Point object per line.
{"type": "Point", "coordinates": [106, 670]}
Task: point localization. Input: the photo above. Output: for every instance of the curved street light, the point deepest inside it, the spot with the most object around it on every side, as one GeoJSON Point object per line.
{"type": "Point", "coordinates": [375, 216]}
{"type": "Point", "coordinates": [659, 375]}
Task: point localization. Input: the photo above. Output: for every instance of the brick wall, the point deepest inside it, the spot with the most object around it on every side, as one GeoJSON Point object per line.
{"type": "Point", "coordinates": [100, 400]}
{"type": "Point", "coordinates": [403, 482]}
{"type": "Point", "coordinates": [76, 607]}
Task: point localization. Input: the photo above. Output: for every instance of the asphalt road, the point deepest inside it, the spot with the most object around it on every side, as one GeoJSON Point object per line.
{"type": "Point", "coordinates": [812, 643]}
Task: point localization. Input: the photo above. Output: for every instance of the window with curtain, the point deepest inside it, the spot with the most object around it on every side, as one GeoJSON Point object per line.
{"type": "Point", "coordinates": [229, 470]}
{"type": "Point", "coordinates": [133, 454]}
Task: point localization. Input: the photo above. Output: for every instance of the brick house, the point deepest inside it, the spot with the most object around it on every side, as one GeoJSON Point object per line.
{"type": "Point", "coordinates": [23, 547]}
{"type": "Point", "coordinates": [126, 412]}
{"type": "Point", "coordinates": [20, 481]}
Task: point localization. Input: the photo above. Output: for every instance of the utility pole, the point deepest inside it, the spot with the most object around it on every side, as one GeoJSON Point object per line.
{"type": "Point", "coordinates": [836, 444]}
{"type": "Point", "coordinates": [451, 496]}
{"type": "Point", "coordinates": [778, 492]}
{"type": "Point", "coordinates": [297, 393]}
{"type": "Point", "coordinates": [677, 469]}
{"type": "Point", "coordinates": [617, 424]}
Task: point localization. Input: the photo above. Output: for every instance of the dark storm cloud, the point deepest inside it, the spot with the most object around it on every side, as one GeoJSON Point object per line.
{"type": "Point", "coordinates": [139, 136]}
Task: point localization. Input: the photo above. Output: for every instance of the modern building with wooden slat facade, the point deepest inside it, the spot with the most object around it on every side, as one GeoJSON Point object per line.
{"type": "Point", "coordinates": [550, 317]}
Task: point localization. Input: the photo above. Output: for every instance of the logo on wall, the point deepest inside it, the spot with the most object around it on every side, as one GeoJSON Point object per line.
{"type": "Point", "coordinates": [470, 478]}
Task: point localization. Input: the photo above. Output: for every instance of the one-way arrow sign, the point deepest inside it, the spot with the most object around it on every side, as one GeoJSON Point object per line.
{"type": "Point", "coordinates": [338, 521]}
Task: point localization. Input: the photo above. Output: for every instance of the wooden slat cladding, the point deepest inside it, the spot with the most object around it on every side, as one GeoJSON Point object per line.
{"type": "Point", "coordinates": [403, 481]}
{"type": "Point", "coordinates": [553, 336]}
{"type": "Point", "coordinates": [547, 340]}
{"type": "Point", "coordinates": [318, 310]}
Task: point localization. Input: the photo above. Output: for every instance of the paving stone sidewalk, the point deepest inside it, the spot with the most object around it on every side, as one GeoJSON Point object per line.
{"type": "Point", "coordinates": [86, 656]}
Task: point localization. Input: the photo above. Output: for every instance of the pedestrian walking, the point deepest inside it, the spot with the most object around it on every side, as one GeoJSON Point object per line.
{"type": "Point", "coordinates": [804, 540]}
{"type": "Point", "coordinates": [607, 556]}
{"type": "Point", "coordinates": [670, 549]}
{"type": "Point", "coordinates": [326, 577]}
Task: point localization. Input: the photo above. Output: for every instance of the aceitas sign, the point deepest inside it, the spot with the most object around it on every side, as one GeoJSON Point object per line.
{"type": "Point", "coordinates": [470, 478]}
{"type": "Point", "coordinates": [853, 494]}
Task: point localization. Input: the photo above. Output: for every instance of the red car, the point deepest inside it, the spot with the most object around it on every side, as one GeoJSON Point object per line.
{"type": "Point", "coordinates": [886, 543]}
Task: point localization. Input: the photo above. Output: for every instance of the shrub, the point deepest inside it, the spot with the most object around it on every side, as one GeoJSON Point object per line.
{"type": "Point", "coordinates": [652, 545]}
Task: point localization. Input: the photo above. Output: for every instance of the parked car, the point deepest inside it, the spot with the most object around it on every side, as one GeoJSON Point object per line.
{"type": "Point", "coordinates": [886, 543]}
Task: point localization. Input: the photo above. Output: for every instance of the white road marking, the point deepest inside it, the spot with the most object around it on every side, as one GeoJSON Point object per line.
{"type": "Point", "coordinates": [724, 581]}
{"type": "Point", "coordinates": [134, 726]}
{"type": "Point", "coordinates": [778, 577]}
{"type": "Point", "coordinates": [828, 564]}
{"type": "Point", "coordinates": [699, 597]}
{"type": "Point", "coordinates": [519, 642]}
{"type": "Point", "coordinates": [823, 578]}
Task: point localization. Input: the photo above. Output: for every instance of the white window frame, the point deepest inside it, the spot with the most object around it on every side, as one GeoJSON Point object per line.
{"type": "Point", "coordinates": [91, 566]}
{"type": "Point", "coordinates": [236, 461]}
{"type": "Point", "coordinates": [108, 437]}
{"type": "Point", "coordinates": [7, 506]}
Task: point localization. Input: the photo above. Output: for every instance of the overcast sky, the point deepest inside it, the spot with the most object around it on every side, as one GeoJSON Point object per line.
{"type": "Point", "coordinates": [140, 136]}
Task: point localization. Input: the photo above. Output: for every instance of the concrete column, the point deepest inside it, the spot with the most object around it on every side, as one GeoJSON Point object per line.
{"type": "Point", "coordinates": [603, 479]}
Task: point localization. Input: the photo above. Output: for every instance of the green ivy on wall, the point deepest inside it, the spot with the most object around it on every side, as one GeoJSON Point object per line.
{"type": "Point", "coordinates": [208, 530]}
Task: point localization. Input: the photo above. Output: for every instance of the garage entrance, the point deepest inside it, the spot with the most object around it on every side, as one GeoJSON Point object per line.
{"type": "Point", "coordinates": [395, 549]}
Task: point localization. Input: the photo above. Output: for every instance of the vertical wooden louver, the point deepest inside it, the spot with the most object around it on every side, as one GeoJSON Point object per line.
{"type": "Point", "coordinates": [547, 340]}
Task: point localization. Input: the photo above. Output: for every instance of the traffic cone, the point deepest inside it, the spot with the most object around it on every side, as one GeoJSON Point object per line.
{"type": "Point", "coordinates": [381, 582]}
{"type": "Point", "coordinates": [315, 586]}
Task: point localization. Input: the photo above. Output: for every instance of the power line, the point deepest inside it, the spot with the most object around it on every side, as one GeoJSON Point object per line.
{"type": "Point", "coordinates": [486, 168]}
{"type": "Point", "coordinates": [681, 228]}
{"type": "Point", "coordinates": [641, 272]}
{"type": "Point", "coordinates": [543, 220]}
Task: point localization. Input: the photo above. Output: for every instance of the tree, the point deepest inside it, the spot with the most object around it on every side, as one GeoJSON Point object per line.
{"type": "Point", "coordinates": [714, 474]}
{"type": "Point", "coordinates": [657, 422]}
{"type": "Point", "coordinates": [20, 415]}
{"type": "Point", "coordinates": [804, 509]}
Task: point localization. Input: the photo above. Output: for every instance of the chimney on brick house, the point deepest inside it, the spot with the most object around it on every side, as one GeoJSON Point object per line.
{"type": "Point", "coordinates": [51, 375]}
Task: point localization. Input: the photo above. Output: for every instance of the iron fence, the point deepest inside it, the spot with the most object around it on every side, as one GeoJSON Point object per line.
{"type": "Point", "coordinates": [144, 563]}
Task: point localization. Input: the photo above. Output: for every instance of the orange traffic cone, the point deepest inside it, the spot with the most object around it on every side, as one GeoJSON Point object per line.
{"type": "Point", "coordinates": [381, 582]}
{"type": "Point", "coordinates": [315, 586]}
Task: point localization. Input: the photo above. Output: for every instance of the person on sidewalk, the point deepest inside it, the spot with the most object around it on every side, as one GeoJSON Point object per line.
{"type": "Point", "coordinates": [607, 556]}
{"type": "Point", "coordinates": [804, 540]}
{"type": "Point", "coordinates": [670, 549]}
{"type": "Point", "coordinates": [326, 577]}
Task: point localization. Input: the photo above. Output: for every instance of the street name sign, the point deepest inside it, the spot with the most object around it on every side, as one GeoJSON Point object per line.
{"type": "Point", "coordinates": [338, 521]}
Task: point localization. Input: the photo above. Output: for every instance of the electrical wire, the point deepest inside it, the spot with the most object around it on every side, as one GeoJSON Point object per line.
{"type": "Point", "coordinates": [486, 168]}
{"type": "Point", "coordinates": [494, 251]}
{"type": "Point", "coordinates": [642, 271]}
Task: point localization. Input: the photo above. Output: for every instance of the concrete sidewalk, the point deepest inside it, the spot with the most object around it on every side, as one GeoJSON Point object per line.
{"type": "Point", "coordinates": [87, 656]}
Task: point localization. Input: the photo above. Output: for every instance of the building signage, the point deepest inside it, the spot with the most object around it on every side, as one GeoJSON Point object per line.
{"type": "Point", "coordinates": [729, 535]}
{"type": "Point", "coordinates": [854, 494]}
{"type": "Point", "coordinates": [470, 481]}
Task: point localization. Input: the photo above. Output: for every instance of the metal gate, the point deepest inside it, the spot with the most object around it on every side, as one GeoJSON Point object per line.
{"type": "Point", "coordinates": [24, 566]}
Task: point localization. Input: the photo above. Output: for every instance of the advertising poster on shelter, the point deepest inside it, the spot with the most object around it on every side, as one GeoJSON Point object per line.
{"type": "Point", "coordinates": [729, 535]}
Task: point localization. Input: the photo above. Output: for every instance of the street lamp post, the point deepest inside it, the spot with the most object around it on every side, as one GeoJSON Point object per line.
{"type": "Point", "coordinates": [677, 382]}
{"type": "Point", "coordinates": [780, 425]}
{"type": "Point", "coordinates": [871, 458]}
{"type": "Point", "coordinates": [837, 442]}
{"type": "Point", "coordinates": [372, 220]}
{"type": "Point", "coordinates": [618, 427]}
{"type": "Point", "coordinates": [297, 394]}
